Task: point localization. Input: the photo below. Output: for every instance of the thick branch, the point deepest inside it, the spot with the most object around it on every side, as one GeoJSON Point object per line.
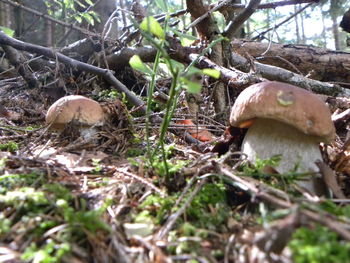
{"type": "Point", "coordinates": [121, 58]}
{"type": "Point", "coordinates": [279, 74]}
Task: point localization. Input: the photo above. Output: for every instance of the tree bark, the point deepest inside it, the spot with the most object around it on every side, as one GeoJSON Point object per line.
{"type": "Point", "coordinates": [208, 31]}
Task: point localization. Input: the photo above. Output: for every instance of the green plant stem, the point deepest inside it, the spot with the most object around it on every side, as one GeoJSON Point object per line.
{"type": "Point", "coordinates": [149, 102]}
{"type": "Point", "coordinates": [166, 121]}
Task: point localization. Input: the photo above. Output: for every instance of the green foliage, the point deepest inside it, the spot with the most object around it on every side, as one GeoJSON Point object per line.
{"type": "Point", "coordinates": [27, 197]}
{"type": "Point", "coordinates": [211, 195]}
{"type": "Point", "coordinates": [83, 219]}
{"type": "Point", "coordinates": [151, 25]}
{"type": "Point", "coordinates": [49, 253]}
{"type": "Point", "coordinates": [66, 9]}
{"type": "Point", "coordinates": [260, 164]}
{"type": "Point", "coordinates": [5, 224]}
{"type": "Point", "coordinates": [211, 72]}
{"type": "Point", "coordinates": [158, 166]}
{"type": "Point", "coordinates": [9, 146]}
{"type": "Point", "coordinates": [199, 213]}
{"type": "Point", "coordinates": [330, 207]}
{"type": "Point", "coordinates": [150, 28]}
{"type": "Point", "coordinates": [158, 207]}
{"type": "Point", "coordinates": [7, 31]}
{"type": "Point", "coordinates": [258, 170]}
{"type": "Point", "coordinates": [97, 165]}
{"type": "Point", "coordinates": [11, 181]}
{"type": "Point", "coordinates": [108, 94]}
{"type": "Point", "coordinates": [318, 245]}
{"type": "Point", "coordinates": [191, 87]}
{"type": "Point", "coordinates": [185, 39]}
{"type": "Point", "coordinates": [137, 64]}
{"type": "Point", "coordinates": [38, 210]}
{"type": "Point", "coordinates": [58, 191]}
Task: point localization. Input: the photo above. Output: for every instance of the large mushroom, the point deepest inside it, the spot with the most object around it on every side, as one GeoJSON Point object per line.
{"type": "Point", "coordinates": [284, 120]}
{"type": "Point", "coordinates": [82, 111]}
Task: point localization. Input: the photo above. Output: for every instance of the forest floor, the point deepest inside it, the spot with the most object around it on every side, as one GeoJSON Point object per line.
{"type": "Point", "coordinates": [110, 199]}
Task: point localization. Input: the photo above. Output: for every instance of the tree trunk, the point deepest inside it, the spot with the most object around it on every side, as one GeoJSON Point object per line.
{"type": "Point", "coordinates": [296, 20]}
{"type": "Point", "coordinates": [324, 31]}
{"type": "Point", "coordinates": [335, 31]}
{"type": "Point", "coordinates": [303, 37]}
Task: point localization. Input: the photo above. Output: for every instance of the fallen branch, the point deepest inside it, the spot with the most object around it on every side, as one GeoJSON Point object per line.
{"type": "Point", "coordinates": [315, 62]}
{"type": "Point", "coordinates": [78, 65]}
{"type": "Point", "coordinates": [234, 78]}
{"type": "Point", "coordinates": [283, 75]}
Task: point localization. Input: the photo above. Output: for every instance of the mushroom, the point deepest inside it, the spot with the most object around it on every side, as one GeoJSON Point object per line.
{"type": "Point", "coordinates": [288, 121]}
{"type": "Point", "coordinates": [84, 112]}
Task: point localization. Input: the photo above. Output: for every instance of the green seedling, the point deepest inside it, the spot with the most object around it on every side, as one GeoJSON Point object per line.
{"type": "Point", "coordinates": [51, 252]}
{"type": "Point", "coordinates": [9, 147]}
{"type": "Point", "coordinates": [97, 165]}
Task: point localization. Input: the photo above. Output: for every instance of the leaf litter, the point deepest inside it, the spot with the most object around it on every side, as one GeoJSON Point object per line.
{"type": "Point", "coordinates": [66, 199]}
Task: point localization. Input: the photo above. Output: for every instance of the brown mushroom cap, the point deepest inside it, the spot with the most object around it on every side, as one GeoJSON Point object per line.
{"type": "Point", "coordinates": [285, 103]}
{"type": "Point", "coordinates": [85, 111]}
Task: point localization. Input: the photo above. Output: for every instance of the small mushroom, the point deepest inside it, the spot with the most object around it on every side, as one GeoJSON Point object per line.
{"type": "Point", "coordinates": [84, 112]}
{"type": "Point", "coordinates": [284, 120]}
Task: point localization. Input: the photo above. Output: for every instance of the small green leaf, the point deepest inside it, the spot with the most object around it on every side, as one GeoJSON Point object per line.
{"type": "Point", "coordinates": [7, 31]}
{"type": "Point", "coordinates": [192, 87]}
{"type": "Point", "coordinates": [192, 71]}
{"type": "Point", "coordinates": [137, 64]}
{"type": "Point", "coordinates": [211, 73]}
{"type": "Point", "coordinates": [150, 24]}
{"type": "Point", "coordinates": [78, 19]}
{"type": "Point", "coordinates": [89, 18]}
{"type": "Point", "coordinates": [96, 16]}
{"type": "Point", "coordinates": [177, 64]}
{"type": "Point", "coordinates": [89, 2]}
{"type": "Point", "coordinates": [186, 39]}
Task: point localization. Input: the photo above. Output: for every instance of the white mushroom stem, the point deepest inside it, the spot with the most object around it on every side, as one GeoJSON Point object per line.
{"type": "Point", "coordinates": [267, 138]}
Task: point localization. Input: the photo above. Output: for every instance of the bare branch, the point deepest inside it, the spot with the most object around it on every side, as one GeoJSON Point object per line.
{"type": "Point", "coordinates": [238, 20]}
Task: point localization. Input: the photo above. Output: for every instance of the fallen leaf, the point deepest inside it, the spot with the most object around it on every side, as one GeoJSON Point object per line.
{"type": "Point", "coordinates": [199, 133]}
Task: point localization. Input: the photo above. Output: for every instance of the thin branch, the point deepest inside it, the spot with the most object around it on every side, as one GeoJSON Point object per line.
{"type": "Point", "coordinates": [238, 20]}
{"type": "Point", "coordinates": [282, 22]}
